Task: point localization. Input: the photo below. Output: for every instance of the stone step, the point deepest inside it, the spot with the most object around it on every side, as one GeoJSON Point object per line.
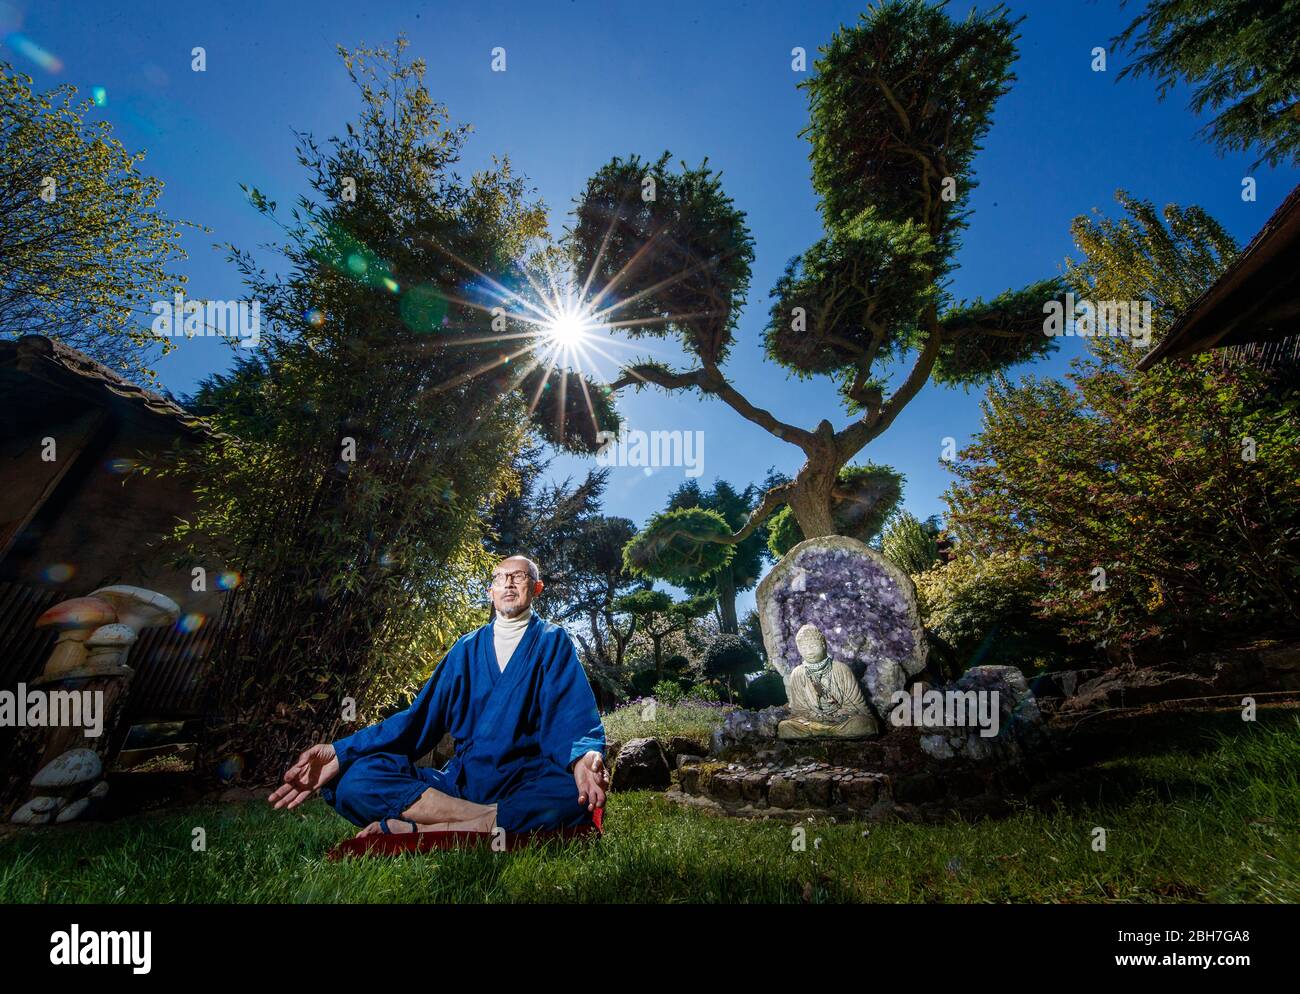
{"type": "Point", "coordinates": [825, 786]}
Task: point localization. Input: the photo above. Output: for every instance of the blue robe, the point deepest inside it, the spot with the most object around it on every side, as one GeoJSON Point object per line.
{"type": "Point", "coordinates": [518, 732]}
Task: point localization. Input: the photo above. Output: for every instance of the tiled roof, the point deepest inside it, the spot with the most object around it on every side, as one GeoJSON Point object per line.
{"type": "Point", "coordinates": [51, 360]}
{"type": "Point", "coordinates": [1233, 311]}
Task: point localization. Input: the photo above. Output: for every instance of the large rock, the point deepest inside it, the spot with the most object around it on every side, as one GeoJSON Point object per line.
{"type": "Point", "coordinates": [864, 605]}
{"type": "Point", "coordinates": [1129, 688]}
{"type": "Point", "coordinates": [1282, 666]}
{"type": "Point", "coordinates": [641, 765]}
{"type": "Point", "coordinates": [1015, 700]}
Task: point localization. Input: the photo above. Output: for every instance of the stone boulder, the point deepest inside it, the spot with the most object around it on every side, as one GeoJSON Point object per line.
{"type": "Point", "coordinates": [1282, 666]}
{"type": "Point", "coordinates": [1015, 699]}
{"type": "Point", "coordinates": [679, 745]}
{"type": "Point", "coordinates": [72, 768]}
{"type": "Point", "coordinates": [1060, 685]}
{"type": "Point", "coordinates": [641, 765]}
{"type": "Point", "coordinates": [1128, 688]}
{"type": "Point", "coordinates": [1020, 723]}
{"type": "Point", "coordinates": [863, 605]}
{"type": "Point", "coordinates": [748, 728]}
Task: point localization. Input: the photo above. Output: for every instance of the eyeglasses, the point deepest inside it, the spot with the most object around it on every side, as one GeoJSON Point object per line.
{"type": "Point", "coordinates": [517, 578]}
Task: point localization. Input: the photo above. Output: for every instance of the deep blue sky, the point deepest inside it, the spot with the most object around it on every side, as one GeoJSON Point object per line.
{"type": "Point", "coordinates": [589, 80]}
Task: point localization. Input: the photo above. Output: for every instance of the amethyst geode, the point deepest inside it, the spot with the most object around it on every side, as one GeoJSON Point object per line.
{"type": "Point", "coordinates": [864, 605]}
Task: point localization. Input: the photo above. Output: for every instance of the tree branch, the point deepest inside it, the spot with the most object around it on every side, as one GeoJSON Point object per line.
{"type": "Point", "coordinates": [870, 426]}
{"type": "Point", "coordinates": [717, 385]}
{"type": "Point", "coordinates": [710, 380]}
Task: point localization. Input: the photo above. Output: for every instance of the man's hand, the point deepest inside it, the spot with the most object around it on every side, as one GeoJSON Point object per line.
{"type": "Point", "coordinates": [592, 780]}
{"type": "Point", "coordinates": [314, 769]}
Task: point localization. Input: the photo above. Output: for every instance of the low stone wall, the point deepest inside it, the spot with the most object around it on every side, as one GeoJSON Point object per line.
{"type": "Point", "coordinates": [895, 776]}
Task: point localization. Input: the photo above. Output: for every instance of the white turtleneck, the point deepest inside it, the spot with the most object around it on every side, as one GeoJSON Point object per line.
{"type": "Point", "coordinates": [506, 633]}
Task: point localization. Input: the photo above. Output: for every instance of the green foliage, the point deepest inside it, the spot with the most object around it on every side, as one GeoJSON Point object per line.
{"type": "Point", "coordinates": [86, 266]}
{"type": "Point", "coordinates": [862, 287]}
{"type": "Point", "coordinates": [642, 681]}
{"type": "Point", "coordinates": [363, 449]}
{"type": "Point", "coordinates": [673, 693]}
{"type": "Point", "coordinates": [593, 579]}
{"type": "Point", "coordinates": [988, 610]}
{"type": "Point", "coordinates": [898, 102]}
{"type": "Point", "coordinates": [751, 629]}
{"type": "Point", "coordinates": [1239, 56]}
{"type": "Point", "coordinates": [645, 603]}
{"type": "Point", "coordinates": [783, 532]}
{"type": "Point", "coordinates": [982, 338]}
{"type": "Point", "coordinates": [1168, 257]}
{"type": "Point", "coordinates": [679, 665]}
{"type": "Point", "coordinates": [909, 544]}
{"type": "Point", "coordinates": [668, 692]}
{"type": "Point", "coordinates": [676, 546]}
{"type": "Point", "coordinates": [553, 524]}
{"type": "Point", "coordinates": [690, 718]}
{"type": "Point", "coordinates": [671, 549]}
{"type": "Point", "coordinates": [699, 258]}
{"type": "Point", "coordinates": [567, 411]}
{"type": "Point", "coordinates": [897, 107]}
{"type": "Point", "coordinates": [865, 497]}
{"type": "Point", "coordinates": [1145, 475]}
{"type": "Point", "coordinates": [657, 616]}
{"type": "Point", "coordinates": [764, 691]}
{"type": "Point", "coordinates": [700, 694]}
{"type": "Point", "coordinates": [729, 656]}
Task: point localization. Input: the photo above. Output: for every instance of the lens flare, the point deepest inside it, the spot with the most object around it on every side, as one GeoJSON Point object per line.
{"type": "Point", "coordinates": [27, 48]}
{"type": "Point", "coordinates": [59, 572]}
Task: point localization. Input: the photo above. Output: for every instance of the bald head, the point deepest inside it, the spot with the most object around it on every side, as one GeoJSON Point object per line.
{"type": "Point", "coordinates": [515, 582]}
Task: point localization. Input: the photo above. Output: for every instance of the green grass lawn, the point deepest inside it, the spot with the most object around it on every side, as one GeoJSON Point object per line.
{"type": "Point", "coordinates": [1212, 816]}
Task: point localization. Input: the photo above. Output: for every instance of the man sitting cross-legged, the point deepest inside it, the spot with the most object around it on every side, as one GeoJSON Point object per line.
{"type": "Point", "coordinates": [529, 741]}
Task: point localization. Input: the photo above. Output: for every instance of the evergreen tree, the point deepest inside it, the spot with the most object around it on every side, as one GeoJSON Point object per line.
{"type": "Point", "coordinates": [898, 105]}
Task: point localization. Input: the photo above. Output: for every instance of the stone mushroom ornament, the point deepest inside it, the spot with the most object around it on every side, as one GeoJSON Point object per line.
{"type": "Point", "coordinates": [107, 648]}
{"type": "Point", "coordinates": [138, 608]}
{"type": "Point", "coordinates": [74, 620]}
{"type": "Point", "coordinates": [65, 784]}
{"type": "Point", "coordinates": [96, 632]}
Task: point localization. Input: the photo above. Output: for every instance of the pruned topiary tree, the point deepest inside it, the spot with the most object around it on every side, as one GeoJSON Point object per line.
{"type": "Point", "coordinates": [727, 657]}
{"type": "Point", "coordinates": [898, 105]}
{"type": "Point", "coordinates": [643, 556]}
{"type": "Point", "coordinates": [657, 616]}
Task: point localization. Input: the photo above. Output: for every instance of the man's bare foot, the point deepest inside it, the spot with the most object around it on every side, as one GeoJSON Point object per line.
{"type": "Point", "coordinates": [396, 826]}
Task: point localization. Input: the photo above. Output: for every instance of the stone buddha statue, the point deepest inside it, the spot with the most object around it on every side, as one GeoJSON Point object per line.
{"type": "Point", "coordinates": [824, 697]}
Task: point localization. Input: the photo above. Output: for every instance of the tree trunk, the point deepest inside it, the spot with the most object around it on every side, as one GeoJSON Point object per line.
{"type": "Point", "coordinates": [811, 500]}
{"type": "Point", "coordinates": [727, 603]}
